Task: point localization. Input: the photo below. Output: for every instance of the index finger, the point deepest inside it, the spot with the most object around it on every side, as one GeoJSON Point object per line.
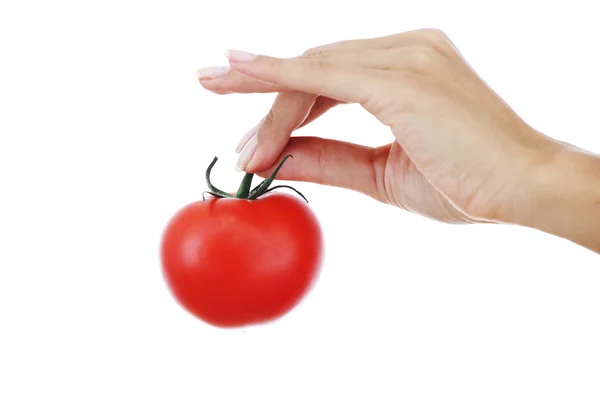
{"type": "Point", "coordinates": [343, 82]}
{"type": "Point", "coordinates": [224, 79]}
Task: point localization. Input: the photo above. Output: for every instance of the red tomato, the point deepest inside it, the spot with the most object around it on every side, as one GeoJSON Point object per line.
{"type": "Point", "coordinates": [234, 261]}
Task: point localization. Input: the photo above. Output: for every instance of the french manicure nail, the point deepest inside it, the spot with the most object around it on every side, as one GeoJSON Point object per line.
{"type": "Point", "coordinates": [247, 153]}
{"type": "Point", "coordinates": [239, 56]}
{"type": "Point", "coordinates": [212, 72]}
{"type": "Point", "coordinates": [245, 139]}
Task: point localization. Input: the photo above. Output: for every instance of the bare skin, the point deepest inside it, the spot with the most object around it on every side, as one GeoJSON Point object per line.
{"type": "Point", "coordinates": [460, 154]}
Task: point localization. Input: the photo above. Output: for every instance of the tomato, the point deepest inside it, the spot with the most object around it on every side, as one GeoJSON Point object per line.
{"type": "Point", "coordinates": [234, 261]}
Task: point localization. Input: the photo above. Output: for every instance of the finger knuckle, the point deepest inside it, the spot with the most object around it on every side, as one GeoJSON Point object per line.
{"type": "Point", "coordinates": [431, 35]}
{"type": "Point", "coordinates": [269, 119]}
{"type": "Point", "coordinates": [322, 157]}
{"type": "Point", "coordinates": [424, 57]}
{"type": "Point", "coordinates": [266, 130]}
{"type": "Point", "coordinates": [437, 40]}
{"type": "Point", "coordinates": [312, 50]}
{"type": "Point", "coordinates": [273, 63]}
{"type": "Point", "coordinates": [316, 52]}
{"type": "Point", "coordinates": [321, 65]}
{"type": "Point", "coordinates": [435, 33]}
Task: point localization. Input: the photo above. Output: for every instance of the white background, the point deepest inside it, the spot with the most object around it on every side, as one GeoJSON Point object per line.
{"type": "Point", "coordinates": [105, 133]}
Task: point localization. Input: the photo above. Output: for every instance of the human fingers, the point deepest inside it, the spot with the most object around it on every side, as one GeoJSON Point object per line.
{"type": "Point", "coordinates": [343, 82]}
{"type": "Point", "coordinates": [224, 80]}
{"type": "Point", "coordinates": [321, 106]}
{"type": "Point", "coordinates": [289, 112]}
{"type": "Point", "coordinates": [329, 162]}
{"type": "Point", "coordinates": [263, 143]}
{"type": "Point", "coordinates": [413, 57]}
{"type": "Point", "coordinates": [408, 58]}
{"type": "Point", "coordinates": [283, 116]}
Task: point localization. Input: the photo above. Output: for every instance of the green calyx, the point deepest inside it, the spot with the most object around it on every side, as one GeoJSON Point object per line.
{"type": "Point", "coordinates": [244, 191]}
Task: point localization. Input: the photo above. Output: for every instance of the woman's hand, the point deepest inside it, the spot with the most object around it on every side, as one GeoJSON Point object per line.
{"type": "Point", "coordinates": [459, 154]}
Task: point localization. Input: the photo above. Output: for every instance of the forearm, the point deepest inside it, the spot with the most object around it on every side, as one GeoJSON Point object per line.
{"type": "Point", "coordinates": [565, 198]}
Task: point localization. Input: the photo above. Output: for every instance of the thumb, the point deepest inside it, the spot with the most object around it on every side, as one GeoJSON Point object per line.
{"type": "Point", "coordinates": [343, 82]}
{"type": "Point", "coordinates": [329, 162]}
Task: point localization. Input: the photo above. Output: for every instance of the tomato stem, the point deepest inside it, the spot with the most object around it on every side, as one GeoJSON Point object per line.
{"type": "Point", "coordinates": [244, 191]}
{"type": "Point", "coordinates": [287, 187]}
{"type": "Point", "coordinates": [215, 192]}
{"type": "Point", "coordinates": [264, 185]}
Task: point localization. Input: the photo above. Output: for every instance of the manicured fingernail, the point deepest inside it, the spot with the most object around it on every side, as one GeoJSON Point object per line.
{"type": "Point", "coordinates": [212, 72]}
{"type": "Point", "coordinates": [245, 139]}
{"type": "Point", "coordinates": [247, 153]}
{"type": "Point", "coordinates": [239, 56]}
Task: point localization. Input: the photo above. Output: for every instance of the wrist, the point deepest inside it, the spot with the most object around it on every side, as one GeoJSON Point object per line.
{"type": "Point", "coordinates": [562, 196]}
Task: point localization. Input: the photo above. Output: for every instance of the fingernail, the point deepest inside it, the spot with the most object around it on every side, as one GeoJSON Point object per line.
{"type": "Point", "coordinates": [247, 153]}
{"type": "Point", "coordinates": [239, 56]}
{"type": "Point", "coordinates": [212, 72]}
{"type": "Point", "coordinates": [245, 139]}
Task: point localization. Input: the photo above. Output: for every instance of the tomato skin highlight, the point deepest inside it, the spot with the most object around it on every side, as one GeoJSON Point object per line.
{"type": "Point", "coordinates": [237, 262]}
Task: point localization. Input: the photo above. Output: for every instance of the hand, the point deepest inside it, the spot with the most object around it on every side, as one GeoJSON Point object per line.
{"type": "Point", "coordinates": [459, 153]}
